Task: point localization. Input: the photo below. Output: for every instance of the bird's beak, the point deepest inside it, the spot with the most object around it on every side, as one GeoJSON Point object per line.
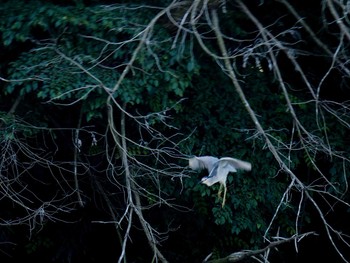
{"type": "Point", "coordinates": [202, 180]}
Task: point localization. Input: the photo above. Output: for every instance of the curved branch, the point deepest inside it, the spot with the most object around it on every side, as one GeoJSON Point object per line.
{"type": "Point", "coordinates": [242, 255]}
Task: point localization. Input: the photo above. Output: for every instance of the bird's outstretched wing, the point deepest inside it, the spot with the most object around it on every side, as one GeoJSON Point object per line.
{"type": "Point", "coordinates": [202, 162]}
{"type": "Point", "coordinates": [227, 164]}
{"type": "Point", "coordinates": [237, 164]}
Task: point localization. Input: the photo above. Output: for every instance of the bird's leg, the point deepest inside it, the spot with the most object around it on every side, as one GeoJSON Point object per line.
{"type": "Point", "coordinates": [224, 199]}
{"type": "Point", "coordinates": [220, 190]}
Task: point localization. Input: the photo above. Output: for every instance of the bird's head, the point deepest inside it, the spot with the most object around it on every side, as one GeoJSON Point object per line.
{"type": "Point", "coordinates": [209, 181]}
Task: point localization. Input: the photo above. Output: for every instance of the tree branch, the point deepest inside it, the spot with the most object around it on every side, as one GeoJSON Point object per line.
{"type": "Point", "coordinates": [241, 255]}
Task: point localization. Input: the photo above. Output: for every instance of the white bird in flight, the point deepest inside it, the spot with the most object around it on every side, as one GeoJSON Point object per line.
{"type": "Point", "coordinates": [218, 170]}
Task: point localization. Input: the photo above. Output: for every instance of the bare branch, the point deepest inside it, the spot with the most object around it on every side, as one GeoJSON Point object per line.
{"type": "Point", "coordinates": [242, 255]}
